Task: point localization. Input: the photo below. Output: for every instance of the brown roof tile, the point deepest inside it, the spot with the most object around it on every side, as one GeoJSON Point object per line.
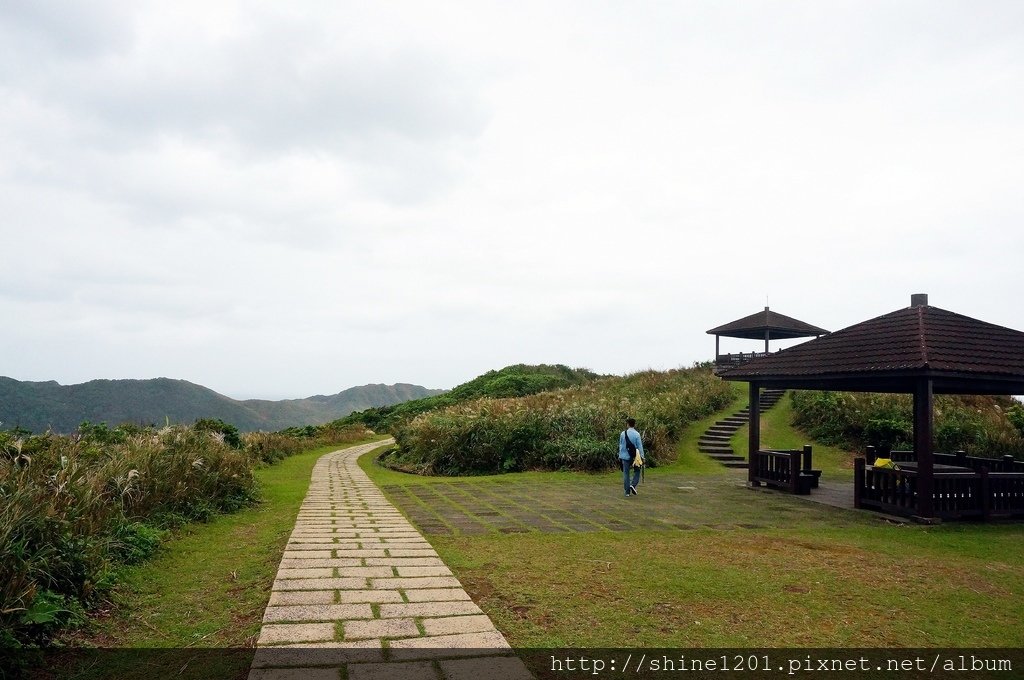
{"type": "Point", "coordinates": [778, 325]}
{"type": "Point", "coordinates": [921, 339]}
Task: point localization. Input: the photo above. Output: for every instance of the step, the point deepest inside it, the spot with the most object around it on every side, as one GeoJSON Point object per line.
{"type": "Point", "coordinates": [715, 440]}
{"type": "Point", "coordinates": [735, 464]}
{"type": "Point", "coordinates": [730, 461]}
{"type": "Point", "coordinates": [724, 455]}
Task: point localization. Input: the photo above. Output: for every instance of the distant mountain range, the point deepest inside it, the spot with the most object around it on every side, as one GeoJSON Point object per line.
{"type": "Point", "coordinates": [38, 406]}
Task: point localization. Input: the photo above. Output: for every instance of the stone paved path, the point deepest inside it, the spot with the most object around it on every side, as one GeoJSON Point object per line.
{"type": "Point", "coordinates": [361, 592]}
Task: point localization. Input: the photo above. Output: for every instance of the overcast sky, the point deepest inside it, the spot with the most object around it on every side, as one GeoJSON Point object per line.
{"type": "Point", "coordinates": [283, 199]}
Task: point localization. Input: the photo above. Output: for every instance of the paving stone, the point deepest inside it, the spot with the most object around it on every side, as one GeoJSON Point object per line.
{"type": "Point", "coordinates": [404, 562]}
{"type": "Point", "coordinates": [485, 640]}
{"type": "Point", "coordinates": [287, 572]}
{"type": "Point", "coordinates": [380, 628]}
{"type": "Point", "coordinates": [318, 612]}
{"type": "Point", "coordinates": [424, 571]}
{"type": "Point", "coordinates": [434, 646]}
{"type": "Point", "coordinates": [293, 674]}
{"type": "Point", "coordinates": [297, 547]}
{"type": "Point", "coordinates": [401, 552]}
{"type": "Point", "coordinates": [324, 562]}
{"type": "Point", "coordinates": [428, 609]}
{"type": "Point", "coordinates": [378, 572]}
{"type": "Point", "coordinates": [272, 633]}
{"type": "Point", "coordinates": [449, 625]}
{"type": "Point", "coordinates": [358, 552]}
{"type": "Point", "coordinates": [436, 595]}
{"type": "Point", "coordinates": [504, 667]}
{"type": "Point", "coordinates": [282, 597]}
{"type": "Point", "coordinates": [319, 583]}
{"type": "Point", "coordinates": [305, 554]}
{"type": "Point", "coordinates": [428, 582]}
{"type": "Point", "coordinates": [319, 654]}
{"type": "Point", "coordinates": [370, 596]}
{"type": "Point", "coordinates": [421, 670]}
{"type": "Point", "coordinates": [351, 549]}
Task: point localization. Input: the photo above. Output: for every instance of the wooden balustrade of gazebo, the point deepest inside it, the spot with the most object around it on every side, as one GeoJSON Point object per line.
{"type": "Point", "coordinates": [920, 350]}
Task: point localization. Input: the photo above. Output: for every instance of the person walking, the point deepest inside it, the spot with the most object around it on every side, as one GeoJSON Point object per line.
{"type": "Point", "coordinates": [631, 446]}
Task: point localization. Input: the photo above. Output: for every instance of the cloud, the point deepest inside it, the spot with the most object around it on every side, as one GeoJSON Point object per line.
{"type": "Point", "coordinates": [281, 200]}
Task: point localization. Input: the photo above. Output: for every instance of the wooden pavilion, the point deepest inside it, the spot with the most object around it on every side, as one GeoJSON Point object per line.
{"type": "Point", "coordinates": [766, 325]}
{"type": "Point", "coordinates": [920, 350]}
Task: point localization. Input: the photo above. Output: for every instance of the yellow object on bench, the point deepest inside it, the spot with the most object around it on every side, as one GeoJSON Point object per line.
{"type": "Point", "coordinates": [886, 464]}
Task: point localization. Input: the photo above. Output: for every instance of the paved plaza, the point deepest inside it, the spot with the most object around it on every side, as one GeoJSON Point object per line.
{"type": "Point", "coordinates": [361, 594]}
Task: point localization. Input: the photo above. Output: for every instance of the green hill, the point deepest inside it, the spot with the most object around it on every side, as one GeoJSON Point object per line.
{"type": "Point", "coordinates": [38, 406]}
{"type": "Point", "coordinates": [519, 380]}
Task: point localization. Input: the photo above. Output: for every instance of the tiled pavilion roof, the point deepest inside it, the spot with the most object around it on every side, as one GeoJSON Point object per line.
{"type": "Point", "coordinates": [778, 326]}
{"type": "Point", "coordinates": [891, 352]}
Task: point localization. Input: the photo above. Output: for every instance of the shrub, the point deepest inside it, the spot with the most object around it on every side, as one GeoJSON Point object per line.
{"type": "Point", "coordinates": [227, 433]}
{"type": "Point", "coordinates": [575, 428]}
{"type": "Point", "coordinates": [1015, 414]}
{"type": "Point", "coordinates": [74, 507]}
{"type": "Point", "coordinates": [979, 425]}
{"type": "Point", "coordinates": [512, 381]}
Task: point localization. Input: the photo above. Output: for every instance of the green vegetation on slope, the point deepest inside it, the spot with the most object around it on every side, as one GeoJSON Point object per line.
{"type": "Point", "coordinates": [512, 381]}
{"type": "Point", "coordinates": [231, 559]}
{"type": "Point", "coordinates": [575, 428]}
{"type": "Point", "coordinates": [980, 425]}
{"type": "Point", "coordinates": [778, 432]}
{"type": "Point", "coordinates": [74, 509]}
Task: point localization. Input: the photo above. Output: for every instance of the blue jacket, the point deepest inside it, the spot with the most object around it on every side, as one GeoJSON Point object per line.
{"type": "Point", "coordinates": [634, 437]}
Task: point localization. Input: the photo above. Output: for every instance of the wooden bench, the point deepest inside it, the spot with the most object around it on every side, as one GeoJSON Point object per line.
{"type": "Point", "coordinates": [786, 469]}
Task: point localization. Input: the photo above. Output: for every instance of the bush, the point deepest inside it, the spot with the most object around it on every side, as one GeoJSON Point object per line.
{"type": "Point", "coordinates": [1015, 414]}
{"type": "Point", "coordinates": [512, 381]}
{"type": "Point", "coordinates": [567, 429]}
{"type": "Point", "coordinates": [227, 433]}
{"type": "Point", "coordinates": [980, 425]}
{"type": "Point", "coordinates": [72, 508]}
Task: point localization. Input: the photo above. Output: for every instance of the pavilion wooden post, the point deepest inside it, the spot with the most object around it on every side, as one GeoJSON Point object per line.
{"type": "Point", "coordinates": [766, 334]}
{"type": "Point", "coordinates": [923, 427]}
{"type": "Point", "coordinates": [754, 433]}
{"type": "Point", "coordinates": [717, 352]}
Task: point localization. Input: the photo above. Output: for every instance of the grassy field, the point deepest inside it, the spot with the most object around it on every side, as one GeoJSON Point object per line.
{"type": "Point", "coordinates": [697, 560]}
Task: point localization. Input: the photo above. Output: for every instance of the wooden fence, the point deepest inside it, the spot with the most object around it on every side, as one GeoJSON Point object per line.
{"type": "Point", "coordinates": [786, 469]}
{"type": "Point", "coordinates": [982, 488]}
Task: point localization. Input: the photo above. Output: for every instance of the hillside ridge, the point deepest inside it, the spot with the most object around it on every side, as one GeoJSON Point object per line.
{"type": "Point", "coordinates": [48, 405]}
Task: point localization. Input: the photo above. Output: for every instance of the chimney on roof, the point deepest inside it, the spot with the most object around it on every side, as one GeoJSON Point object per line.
{"type": "Point", "coordinates": [919, 300]}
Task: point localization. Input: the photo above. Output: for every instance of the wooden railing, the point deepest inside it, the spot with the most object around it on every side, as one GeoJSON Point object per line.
{"type": "Point", "coordinates": [1005, 495]}
{"type": "Point", "coordinates": [724, 361]}
{"type": "Point", "coordinates": [955, 495]}
{"type": "Point", "coordinates": [1006, 463]}
{"type": "Point", "coordinates": [786, 469]}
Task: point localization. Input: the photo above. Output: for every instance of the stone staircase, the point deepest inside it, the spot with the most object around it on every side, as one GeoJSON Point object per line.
{"type": "Point", "coordinates": [715, 441]}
